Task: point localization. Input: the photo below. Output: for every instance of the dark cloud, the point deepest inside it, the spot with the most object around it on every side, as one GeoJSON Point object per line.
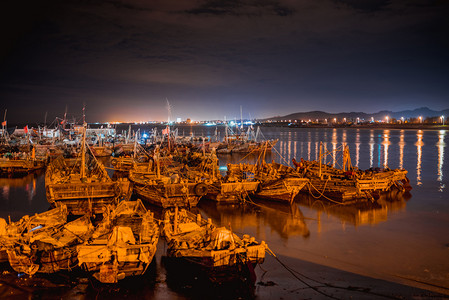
{"type": "Point", "coordinates": [366, 5]}
{"type": "Point", "coordinates": [210, 57]}
{"type": "Point", "coordinates": [242, 8]}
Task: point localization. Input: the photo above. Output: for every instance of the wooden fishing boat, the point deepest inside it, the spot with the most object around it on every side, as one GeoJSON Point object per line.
{"type": "Point", "coordinates": [217, 252]}
{"type": "Point", "coordinates": [20, 165]}
{"type": "Point", "coordinates": [162, 184]}
{"type": "Point", "coordinates": [123, 244]}
{"type": "Point", "coordinates": [122, 163]}
{"type": "Point", "coordinates": [231, 192]}
{"type": "Point", "coordinates": [228, 189]}
{"type": "Point", "coordinates": [50, 251]}
{"type": "Point", "coordinates": [18, 236]}
{"type": "Point", "coordinates": [277, 182]}
{"type": "Point", "coordinates": [349, 183]}
{"type": "Point", "coordinates": [82, 184]}
{"type": "Point", "coordinates": [101, 151]}
{"type": "Point", "coordinates": [245, 142]}
{"type": "Point", "coordinates": [167, 191]}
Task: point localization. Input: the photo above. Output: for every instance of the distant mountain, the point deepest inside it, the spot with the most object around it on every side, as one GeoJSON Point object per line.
{"type": "Point", "coordinates": [424, 112]}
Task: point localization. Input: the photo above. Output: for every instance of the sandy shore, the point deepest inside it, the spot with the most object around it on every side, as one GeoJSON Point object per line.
{"type": "Point", "coordinates": [277, 278]}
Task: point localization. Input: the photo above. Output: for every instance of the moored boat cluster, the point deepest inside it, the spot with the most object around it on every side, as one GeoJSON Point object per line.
{"type": "Point", "coordinates": [93, 224]}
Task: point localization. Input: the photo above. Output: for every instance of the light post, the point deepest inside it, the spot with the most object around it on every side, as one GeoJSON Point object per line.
{"type": "Point", "coordinates": [420, 119]}
{"type": "Point", "coordinates": [386, 118]}
{"type": "Point", "coordinates": [402, 119]}
{"type": "Point", "coordinates": [442, 120]}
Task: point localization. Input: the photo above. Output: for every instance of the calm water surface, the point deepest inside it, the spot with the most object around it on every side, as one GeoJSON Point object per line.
{"type": "Point", "coordinates": [402, 238]}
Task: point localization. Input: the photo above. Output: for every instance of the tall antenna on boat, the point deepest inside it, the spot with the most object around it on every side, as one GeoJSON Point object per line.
{"type": "Point", "coordinates": [83, 154]}
{"type": "Point", "coordinates": [168, 123]}
{"type": "Point", "coordinates": [84, 114]}
{"type": "Point", "coordinates": [65, 116]}
{"type": "Point", "coordinates": [241, 118]}
{"type": "Point", "coordinates": [321, 145]}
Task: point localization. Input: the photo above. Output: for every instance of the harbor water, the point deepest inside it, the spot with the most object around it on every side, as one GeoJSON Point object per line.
{"type": "Point", "coordinates": [401, 238]}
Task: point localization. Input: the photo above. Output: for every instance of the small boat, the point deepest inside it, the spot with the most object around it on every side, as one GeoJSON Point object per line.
{"type": "Point", "coordinates": [350, 184]}
{"type": "Point", "coordinates": [101, 151]}
{"type": "Point", "coordinates": [17, 237]}
{"type": "Point", "coordinates": [277, 182]}
{"type": "Point", "coordinates": [161, 184]}
{"type": "Point", "coordinates": [122, 245]}
{"type": "Point", "coordinates": [217, 252]}
{"type": "Point", "coordinates": [15, 165]}
{"type": "Point", "coordinates": [50, 250]}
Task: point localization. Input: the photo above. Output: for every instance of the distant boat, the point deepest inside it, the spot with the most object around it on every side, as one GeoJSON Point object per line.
{"type": "Point", "coordinates": [20, 164]}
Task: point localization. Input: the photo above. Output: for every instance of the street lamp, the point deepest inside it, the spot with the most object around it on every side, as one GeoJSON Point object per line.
{"type": "Point", "coordinates": [442, 120]}
{"type": "Point", "coordinates": [386, 118]}
{"type": "Point", "coordinates": [420, 119]}
{"type": "Point", "coordinates": [402, 119]}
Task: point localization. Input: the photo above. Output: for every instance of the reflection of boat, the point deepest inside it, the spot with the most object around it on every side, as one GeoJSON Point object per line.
{"type": "Point", "coordinates": [82, 184]}
{"type": "Point", "coordinates": [285, 219]}
{"type": "Point", "coordinates": [218, 252]}
{"type": "Point", "coordinates": [123, 244]}
{"type": "Point", "coordinates": [358, 213]}
{"type": "Point", "coordinates": [21, 181]}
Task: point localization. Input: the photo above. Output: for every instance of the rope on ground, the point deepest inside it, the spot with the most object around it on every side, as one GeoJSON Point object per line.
{"type": "Point", "coordinates": [296, 274]}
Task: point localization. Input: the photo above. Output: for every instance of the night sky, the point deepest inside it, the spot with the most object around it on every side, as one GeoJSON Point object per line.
{"type": "Point", "coordinates": [125, 59]}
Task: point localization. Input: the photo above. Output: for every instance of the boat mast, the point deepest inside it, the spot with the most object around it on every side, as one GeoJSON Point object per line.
{"type": "Point", "coordinates": [226, 131]}
{"type": "Point", "coordinates": [4, 133]}
{"type": "Point", "coordinates": [321, 144]}
{"type": "Point", "coordinates": [241, 118]}
{"type": "Point", "coordinates": [83, 154]}
{"type": "Point", "coordinates": [168, 124]}
{"type": "Point", "coordinates": [135, 146]}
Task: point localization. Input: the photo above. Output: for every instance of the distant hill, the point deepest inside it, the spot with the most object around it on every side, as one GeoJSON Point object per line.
{"type": "Point", "coordinates": [424, 112]}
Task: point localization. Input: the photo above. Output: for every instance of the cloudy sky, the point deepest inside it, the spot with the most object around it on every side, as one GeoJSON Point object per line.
{"type": "Point", "coordinates": [124, 59]}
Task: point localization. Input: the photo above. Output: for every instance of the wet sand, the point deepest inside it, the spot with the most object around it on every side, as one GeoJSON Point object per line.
{"type": "Point", "coordinates": [277, 278]}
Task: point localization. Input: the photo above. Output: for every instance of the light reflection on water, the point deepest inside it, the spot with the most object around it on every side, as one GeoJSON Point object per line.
{"type": "Point", "coordinates": [386, 237]}
{"type": "Point", "coordinates": [386, 143]}
{"type": "Point", "coordinates": [441, 144]}
{"type": "Point", "coordinates": [419, 144]}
